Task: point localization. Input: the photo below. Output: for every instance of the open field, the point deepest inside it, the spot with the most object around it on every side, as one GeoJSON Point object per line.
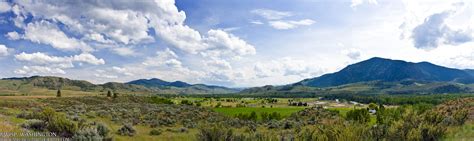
{"type": "Point", "coordinates": [188, 118]}
{"type": "Point", "coordinates": [285, 112]}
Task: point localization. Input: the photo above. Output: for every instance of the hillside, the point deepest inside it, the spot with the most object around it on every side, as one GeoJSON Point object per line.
{"type": "Point", "coordinates": [49, 84]}
{"type": "Point", "coordinates": [379, 75]}
{"type": "Point", "coordinates": [184, 87]}
{"type": "Point", "coordinates": [386, 70]}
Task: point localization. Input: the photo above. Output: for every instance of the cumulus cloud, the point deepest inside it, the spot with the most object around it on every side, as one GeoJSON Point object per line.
{"type": "Point", "coordinates": [124, 51]}
{"type": "Point", "coordinates": [285, 67]}
{"type": "Point", "coordinates": [31, 70]}
{"type": "Point", "coordinates": [122, 70]}
{"type": "Point", "coordinates": [42, 59]}
{"type": "Point", "coordinates": [166, 57]}
{"type": "Point", "coordinates": [4, 7]}
{"type": "Point", "coordinates": [13, 35]}
{"type": "Point", "coordinates": [218, 64]}
{"type": "Point", "coordinates": [3, 51]}
{"type": "Point", "coordinates": [352, 53]}
{"type": "Point", "coordinates": [434, 32]}
{"type": "Point", "coordinates": [115, 23]}
{"type": "Point", "coordinates": [44, 32]}
{"type": "Point", "coordinates": [290, 24]}
{"type": "Point", "coordinates": [228, 44]}
{"type": "Point", "coordinates": [88, 58]}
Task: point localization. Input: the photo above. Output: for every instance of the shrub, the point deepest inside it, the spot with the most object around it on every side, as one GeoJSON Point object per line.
{"type": "Point", "coordinates": [214, 133]}
{"type": "Point", "coordinates": [87, 134]}
{"type": "Point", "coordinates": [160, 100]}
{"type": "Point", "coordinates": [62, 126]}
{"type": "Point", "coordinates": [186, 102]}
{"type": "Point", "coordinates": [156, 132]}
{"type": "Point", "coordinates": [127, 130]}
{"type": "Point", "coordinates": [103, 130]}
{"type": "Point", "coordinates": [183, 129]}
{"type": "Point", "coordinates": [34, 124]}
{"type": "Point", "coordinates": [360, 115]}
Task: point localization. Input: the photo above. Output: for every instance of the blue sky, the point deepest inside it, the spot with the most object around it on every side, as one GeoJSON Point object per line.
{"type": "Point", "coordinates": [236, 43]}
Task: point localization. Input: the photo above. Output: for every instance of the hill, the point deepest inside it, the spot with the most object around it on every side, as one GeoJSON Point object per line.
{"type": "Point", "coordinates": [380, 75]}
{"type": "Point", "coordinates": [37, 85]}
{"type": "Point", "coordinates": [184, 87]}
{"type": "Point", "coordinates": [387, 70]}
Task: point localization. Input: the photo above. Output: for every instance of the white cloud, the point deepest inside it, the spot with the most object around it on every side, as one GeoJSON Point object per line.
{"type": "Point", "coordinates": [173, 63]}
{"type": "Point", "coordinates": [88, 58]}
{"type": "Point", "coordinates": [352, 53]}
{"type": "Point", "coordinates": [257, 22]}
{"type": "Point", "coordinates": [13, 35]}
{"type": "Point", "coordinates": [31, 70]}
{"type": "Point", "coordinates": [123, 71]}
{"type": "Point", "coordinates": [276, 19]}
{"type": "Point", "coordinates": [163, 58]}
{"type": "Point", "coordinates": [39, 58]}
{"type": "Point", "coordinates": [4, 7]}
{"type": "Point", "coordinates": [433, 32]}
{"type": "Point", "coordinates": [124, 51]}
{"type": "Point", "coordinates": [117, 23]}
{"type": "Point", "coordinates": [3, 51]}
{"type": "Point", "coordinates": [355, 3]}
{"type": "Point", "coordinates": [228, 44]}
{"type": "Point", "coordinates": [44, 32]}
{"type": "Point", "coordinates": [282, 24]}
{"type": "Point", "coordinates": [272, 14]}
{"type": "Point", "coordinates": [105, 76]}
{"type": "Point", "coordinates": [285, 67]}
{"type": "Point", "coordinates": [219, 64]}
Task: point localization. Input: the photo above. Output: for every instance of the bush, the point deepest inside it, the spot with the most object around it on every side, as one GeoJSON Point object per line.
{"type": "Point", "coordinates": [103, 130]}
{"type": "Point", "coordinates": [34, 124]}
{"type": "Point", "coordinates": [62, 126]}
{"type": "Point", "coordinates": [87, 134]}
{"type": "Point", "coordinates": [127, 130]}
{"type": "Point", "coordinates": [215, 133]}
{"type": "Point", "coordinates": [186, 102]}
{"type": "Point", "coordinates": [156, 132]}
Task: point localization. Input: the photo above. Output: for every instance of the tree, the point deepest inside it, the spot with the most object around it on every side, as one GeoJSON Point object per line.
{"type": "Point", "coordinates": [373, 106]}
{"type": "Point", "coordinates": [109, 94]}
{"type": "Point", "coordinates": [127, 130]}
{"type": "Point", "coordinates": [58, 94]}
{"type": "Point", "coordinates": [115, 95]}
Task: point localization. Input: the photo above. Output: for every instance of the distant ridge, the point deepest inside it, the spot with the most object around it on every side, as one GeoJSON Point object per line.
{"type": "Point", "coordinates": [387, 70]}
{"type": "Point", "coordinates": [151, 86]}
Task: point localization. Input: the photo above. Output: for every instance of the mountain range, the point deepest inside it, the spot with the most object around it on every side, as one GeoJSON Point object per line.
{"type": "Point", "coordinates": [380, 75]}
{"type": "Point", "coordinates": [375, 75]}
{"type": "Point", "coordinates": [388, 70]}
{"type": "Point", "coordinates": [34, 84]}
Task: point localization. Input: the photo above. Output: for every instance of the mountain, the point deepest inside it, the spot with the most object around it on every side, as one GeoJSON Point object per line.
{"type": "Point", "coordinates": [155, 82]}
{"type": "Point", "coordinates": [185, 87]}
{"type": "Point", "coordinates": [387, 70]}
{"type": "Point", "coordinates": [49, 84]}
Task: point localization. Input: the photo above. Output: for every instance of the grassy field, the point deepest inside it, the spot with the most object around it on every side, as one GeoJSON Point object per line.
{"type": "Point", "coordinates": [461, 133]}
{"type": "Point", "coordinates": [285, 112]}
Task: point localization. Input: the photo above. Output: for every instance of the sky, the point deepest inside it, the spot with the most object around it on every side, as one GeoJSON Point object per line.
{"type": "Point", "coordinates": [234, 43]}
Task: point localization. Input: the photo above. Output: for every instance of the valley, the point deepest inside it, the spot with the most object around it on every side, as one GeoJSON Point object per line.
{"type": "Point", "coordinates": [153, 109]}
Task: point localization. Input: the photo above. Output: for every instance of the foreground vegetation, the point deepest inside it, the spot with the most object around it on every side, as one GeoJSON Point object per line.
{"type": "Point", "coordinates": [186, 118]}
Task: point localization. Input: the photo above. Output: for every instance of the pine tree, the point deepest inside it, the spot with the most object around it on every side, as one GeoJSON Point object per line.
{"type": "Point", "coordinates": [109, 94]}
{"type": "Point", "coordinates": [58, 94]}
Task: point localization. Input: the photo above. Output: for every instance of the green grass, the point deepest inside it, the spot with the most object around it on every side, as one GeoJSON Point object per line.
{"type": "Point", "coordinates": [284, 111]}
{"type": "Point", "coordinates": [461, 133]}
{"type": "Point", "coordinates": [342, 110]}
